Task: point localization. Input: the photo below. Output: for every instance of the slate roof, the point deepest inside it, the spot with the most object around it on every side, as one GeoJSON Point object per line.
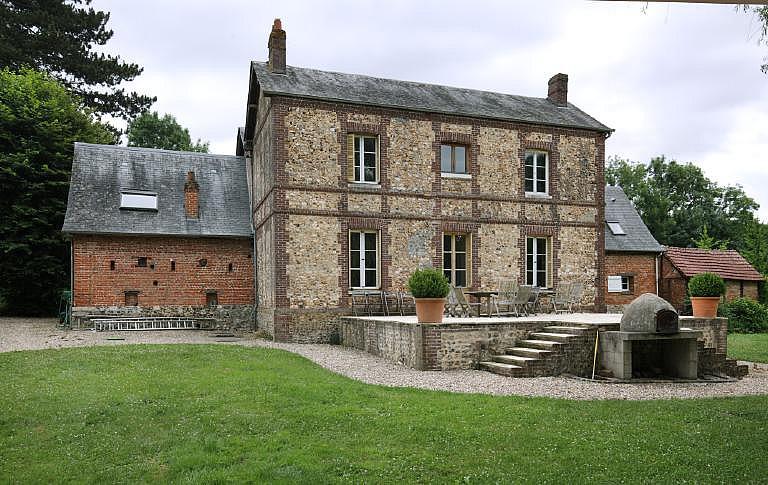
{"type": "Point", "coordinates": [638, 238]}
{"type": "Point", "coordinates": [100, 172]}
{"type": "Point", "coordinates": [366, 90]}
{"type": "Point", "coordinates": [729, 265]}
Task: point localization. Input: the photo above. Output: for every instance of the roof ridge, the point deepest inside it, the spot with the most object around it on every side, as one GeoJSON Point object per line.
{"type": "Point", "coordinates": [155, 150]}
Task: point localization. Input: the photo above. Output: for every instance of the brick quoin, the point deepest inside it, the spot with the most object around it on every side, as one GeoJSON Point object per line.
{"type": "Point", "coordinates": [95, 284]}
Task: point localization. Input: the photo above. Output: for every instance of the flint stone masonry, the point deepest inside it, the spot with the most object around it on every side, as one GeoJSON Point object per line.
{"type": "Point", "coordinates": [572, 213]}
{"type": "Point", "coordinates": [456, 208]}
{"type": "Point", "coordinates": [364, 119]}
{"type": "Point", "coordinates": [226, 316]}
{"type": "Point", "coordinates": [578, 259]}
{"type": "Point", "coordinates": [501, 260]}
{"type": "Point", "coordinates": [539, 137]}
{"type": "Point", "coordinates": [497, 160]}
{"type": "Point", "coordinates": [411, 154]}
{"type": "Point", "coordinates": [576, 156]}
{"type": "Point", "coordinates": [313, 262]}
{"type": "Point", "coordinates": [414, 241]}
{"type": "Point", "coordinates": [364, 203]}
{"type": "Point", "coordinates": [499, 210]}
{"type": "Point", "coordinates": [313, 147]}
{"type": "Point", "coordinates": [540, 212]}
{"type": "Point", "coordinates": [454, 128]}
{"type": "Point", "coordinates": [298, 199]}
{"type": "Point", "coordinates": [456, 186]}
{"type": "Point", "coordinates": [411, 206]}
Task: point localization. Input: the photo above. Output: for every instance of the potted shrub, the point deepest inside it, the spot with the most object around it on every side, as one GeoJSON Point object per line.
{"type": "Point", "coordinates": [706, 290]}
{"type": "Point", "coordinates": [429, 288]}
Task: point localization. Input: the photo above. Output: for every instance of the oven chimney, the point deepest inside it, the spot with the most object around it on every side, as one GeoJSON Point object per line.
{"type": "Point", "coordinates": [191, 202]}
{"type": "Point", "coordinates": [558, 89]}
{"type": "Point", "coordinates": [277, 48]}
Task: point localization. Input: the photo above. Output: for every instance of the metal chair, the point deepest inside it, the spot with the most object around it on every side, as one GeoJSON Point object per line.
{"type": "Point", "coordinates": [506, 295]}
{"type": "Point", "coordinates": [463, 308]}
{"type": "Point", "coordinates": [563, 298]}
{"type": "Point", "coordinates": [520, 302]}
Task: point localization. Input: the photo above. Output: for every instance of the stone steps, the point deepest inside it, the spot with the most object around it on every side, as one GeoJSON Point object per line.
{"type": "Point", "coordinates": [513, 359]}
{"type": "Point", "coordinates": [535, 343]}
{"type": "Point", "coordinates": [553, 337]}
{"type": "Point", "coordinates": [509, 370]}
{"type": "Point", "coordinates": [528, 352]}
{"type": "Point", "coordinates": [565, 329]}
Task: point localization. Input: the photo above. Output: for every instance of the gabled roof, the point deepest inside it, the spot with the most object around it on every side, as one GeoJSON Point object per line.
{"type": "Point", "coordinates": [638, 238]}
{"type": "Point", "coordinates": [729, 265]}
{"type": "Point", "coordinates": [389, 93]}
{"type": "Point", "coordinates": [101, 172]}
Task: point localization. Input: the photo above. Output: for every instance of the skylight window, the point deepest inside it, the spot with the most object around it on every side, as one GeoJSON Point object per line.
{"type": "Point", "coordinates": [616, 229]}
{"type": "Point", "coordinates": [138, 201]}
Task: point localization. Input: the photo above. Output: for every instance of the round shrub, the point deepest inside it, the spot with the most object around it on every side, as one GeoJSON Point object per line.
{"type": "Point", "coordinates": [746, 316]}
{"type": "Point", "coordinates": [428, 283]}
{"type": "Point", "coordinates": [706, 284]}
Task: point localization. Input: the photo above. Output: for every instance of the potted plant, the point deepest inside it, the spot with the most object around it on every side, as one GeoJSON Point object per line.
{"type": "Point", "coordinates": [429, 288]}
{"type": "Point", "coordinates": [706, 290]}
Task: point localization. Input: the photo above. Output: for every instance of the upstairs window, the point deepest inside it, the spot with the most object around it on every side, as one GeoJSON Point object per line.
{"type": "Point", "coordinates": [536, 172]}
{"type": "Point", "coordinates": [616, 228]}
{"type": "Point", "coordinates": [363, 159]}
{"type": "Point", "coordinates": [146, 201]}
{"type": "Point", "coordinates": [453, 159]}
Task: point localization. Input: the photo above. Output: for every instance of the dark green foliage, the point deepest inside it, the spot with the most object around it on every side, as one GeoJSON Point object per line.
{"type": "Point", "coordinates": [428, 283]}
{"type": "Point", "coordinates": [222, 414]}
{"type": "Point", "coordinates": [679, 204]}
{"type": "Point", "coordinates": [746, 316]}
{"type": "Point", "coordinates": [149, 130]}
{"type": "Point", "coordinates": [706, 284]}
{"type": "Point", "coordinates": [39, 122]}
{"type": "Point", "coordinates": [58, 37]}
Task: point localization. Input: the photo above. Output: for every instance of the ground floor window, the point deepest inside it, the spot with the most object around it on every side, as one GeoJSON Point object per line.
{"type": "Point", "coordinates": [364, 259]}
{"type": "Point", "coordinates": [131, 298]}
{"type": "Point", "coordinates": [456, 259]}
{"type": "Point", "coordinates": [538, 271]}
{"type": "Point", "coordinates": [620, 284]}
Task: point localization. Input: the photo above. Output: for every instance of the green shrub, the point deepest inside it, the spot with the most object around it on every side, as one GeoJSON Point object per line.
{"type": "Point", "coordinates": [428, 283]}
{"type": "Point", "coordinates": [706, 284]}
{"type": "Point", "coordinates": [746, 316]}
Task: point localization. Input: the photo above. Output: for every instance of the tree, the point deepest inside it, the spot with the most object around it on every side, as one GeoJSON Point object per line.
{"type": "Point", "coordinates": [762, 17]}
{"type": "Point", "coordinates": [705, 241]}
{"type": "Point", "coordinates": [149, 130]}
{"type": "Point", "coordinates": [677, 201]}
{"type": "Point", "coordinates": [39, 123]}
{"type": "Point", "coordinates": [58, 37]}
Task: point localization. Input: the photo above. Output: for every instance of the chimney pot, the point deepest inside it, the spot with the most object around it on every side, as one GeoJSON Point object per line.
{"type": "Point", "coordinates": [191, 199]}
{"type": "Point", "coordinates": [276, 46]}
{"type": "Point", "coordinates": [558, 89]}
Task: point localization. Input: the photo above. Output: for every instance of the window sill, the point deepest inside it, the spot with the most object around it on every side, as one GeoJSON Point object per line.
{"type": "Point", "coordinates": [459, 176]}
{"type": "Point", "coordinates": [364, 185]}
{"type": "Point", "coordinates": [537, 195]}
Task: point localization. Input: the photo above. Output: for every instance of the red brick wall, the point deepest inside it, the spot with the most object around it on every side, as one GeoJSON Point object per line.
{"type": "Point", "coordinates": [734, 289]}
{"type": "Point", "coordinates": [95, 284]}
{"type": "Point", "coordinates": [642, 268]}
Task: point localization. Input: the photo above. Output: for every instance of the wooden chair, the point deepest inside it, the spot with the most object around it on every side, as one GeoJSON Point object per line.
{"type": "Point", "coordinates": [520, 302]}
{"type": "Point", "coordinates": [464, 308]}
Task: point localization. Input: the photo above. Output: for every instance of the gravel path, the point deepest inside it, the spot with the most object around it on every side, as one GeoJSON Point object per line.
{"type": "Point", "coordinates": [29, 334]}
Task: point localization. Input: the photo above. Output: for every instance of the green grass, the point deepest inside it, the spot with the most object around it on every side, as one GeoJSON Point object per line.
{"type": "Point", "coordinates": [217, 413]}
{"type": "Point", "coordinates": [748, 346]}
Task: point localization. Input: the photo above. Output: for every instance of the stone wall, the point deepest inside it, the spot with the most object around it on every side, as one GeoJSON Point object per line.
{"type": "Point", "coordinates": [236, 317]}
{"type": "Point", "coordinates": [498, 164]}
{"type": "Point", "coordinates": [715, 331]}
{"type": "Point", "coordinates": [577, 155]}
{"type": "Point", "coordinates": [313, 269]}
{"type": "Point", "coordinates": [312, 147]}
{"type": "Point", "coordinates": [500, 259]}
{"type": "Point", "coordinates": [578, 259]}
{"type": "Point", "coordinates": [411, 155]}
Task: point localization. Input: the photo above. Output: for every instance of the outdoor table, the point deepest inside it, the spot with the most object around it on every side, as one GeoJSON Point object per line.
{"type": "Point", "coordinates": [479, 295]}
{"type": "Point", "coordinates": [536, 296]}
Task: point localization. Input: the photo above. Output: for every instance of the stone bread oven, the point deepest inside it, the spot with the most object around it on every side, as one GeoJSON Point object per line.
{"type": "Point", "coordinates": [650, 343]}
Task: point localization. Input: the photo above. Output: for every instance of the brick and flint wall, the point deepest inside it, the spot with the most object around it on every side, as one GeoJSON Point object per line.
{"type": "Point", "coordinates": [640, 267]}
{"type": "Point", "coordinates": [304, 205]}
{"type": "Point", "coordinates": [168, 276]}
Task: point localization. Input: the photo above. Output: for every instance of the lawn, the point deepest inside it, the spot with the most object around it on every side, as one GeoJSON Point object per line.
{"type": "Point", "coordinates": [211, 413]}
{"type": "Point", "coordinates": [748, 346]}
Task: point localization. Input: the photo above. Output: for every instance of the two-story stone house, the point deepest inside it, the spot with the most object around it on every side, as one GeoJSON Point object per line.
{"type": "Point", "coordinates": [356, 181]}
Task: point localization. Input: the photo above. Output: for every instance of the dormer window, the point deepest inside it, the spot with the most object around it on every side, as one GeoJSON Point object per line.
{"type": "Point", "coordinates": [616, 229]}
{"type": "Point", "coordinates": [142, 201]}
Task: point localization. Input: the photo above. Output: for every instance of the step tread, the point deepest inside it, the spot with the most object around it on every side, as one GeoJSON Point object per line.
{"type": "Point", "coordinates": [499, 365]}
{"type": "Point", "coordinates": [530, 350]}
{"type": "Point", "coordinates": [549, 343]}
{"type": "Point", "coordinates": [514, 358]}
{"type": "Point", "coordinates": [552, 334]}
{"type": "Point", "coordinates": [564, 327]}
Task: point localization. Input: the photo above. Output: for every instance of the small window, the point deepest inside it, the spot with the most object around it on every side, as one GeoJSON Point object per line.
{"type": "Point", "coordinates": [211, 298]}
{"type": "Point", "coordinates": [453, 159]}
{"type": "Point", "coordinates": [230, 267]}
{"type": "Point", "coordinates": [363, 259]}
{"type": "Point", "coordinates": [202, 263]}
{"type": "Point", "coordinates": [142, 262]}
{"type": "Point", "coordinates": [536, 172]}
{"type": "Point", "coordinates": [138, 201]}
{"type": "Point", "coordinates": [538, 270]}
{"type": "Point", "coordinates": [364, 159]}
{"type": "Point", "coordinates": [616, 228]}
{"type": "Point", "coordinates": [111, 265]}
{"type": "Point", "coordinates": [173, 265]}
{"type": "Point", "coordinates": [131, 298]}
{"type": "Point", "coordinates": [620, 284]}
{"type": "Point", "coordinates": [456, 259]}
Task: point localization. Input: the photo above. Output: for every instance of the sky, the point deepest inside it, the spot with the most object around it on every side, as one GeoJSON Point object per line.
{"type": "Point", "coordinates": [679, 80]}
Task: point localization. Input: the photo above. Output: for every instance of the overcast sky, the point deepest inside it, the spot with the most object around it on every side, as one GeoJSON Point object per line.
{"type": "Point", "coordinates": [679, 80]}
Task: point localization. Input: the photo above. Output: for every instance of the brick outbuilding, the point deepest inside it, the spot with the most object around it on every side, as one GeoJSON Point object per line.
{"type": "Point", "coordinates": [631, 252]}
{"type": "Point", "coordinates": [160, 233]}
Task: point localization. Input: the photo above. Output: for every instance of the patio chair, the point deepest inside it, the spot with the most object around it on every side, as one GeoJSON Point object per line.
{"type": "Point", "coordinates": [562, 299]}
{"type": "Point", "coordinates": [359, 300]}
{"type": "Point", "coordinates": [462, 307]}
{"type": "Point", "coordinates": [505, 297]}
{"type": "Point", "coordinates": [390, 300]}
{"type": "Point", "coordinates": [577, 293]}
{"type": "Point", "coordinates": [533, 302]}
{"type": "Point", "coordinates": [407, 303]}
{"type": "Point", "coordinates": [520, 302]}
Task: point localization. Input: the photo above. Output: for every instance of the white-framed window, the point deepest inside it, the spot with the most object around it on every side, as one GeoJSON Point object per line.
{"type": "Point", "coordinates": [363, 259]}
{"type": "Point", "coordinates": [620, 284]}
{"type": "Point", "coordinates": [536, 172]}
{"type": "Point", "coordinates": [363, 158]}
{"type": "Point", "coordinates": [616, 228]}
{"type": "Point", "coordinates": [138, 200]}
{"type": "Point", "coordinates": [453, 158]}
{"type": "Point", "coordinates": [456, 259]}
{"type": "Point", "coordinates": [538, 256]}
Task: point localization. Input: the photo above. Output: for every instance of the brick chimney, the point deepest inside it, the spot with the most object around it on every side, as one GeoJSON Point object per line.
{"type": "Point", "coordinates": [277, 48]}
{"type": "Point", "coordinates": [191, 189]}
{"type": "Point", "coordinates": [558, 89]}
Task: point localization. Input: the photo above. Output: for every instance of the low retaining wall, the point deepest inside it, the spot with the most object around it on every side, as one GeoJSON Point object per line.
{"type": "Point", "coordinates": [715, 331]}
{"type": "Point", "coordinates": [236, 317]}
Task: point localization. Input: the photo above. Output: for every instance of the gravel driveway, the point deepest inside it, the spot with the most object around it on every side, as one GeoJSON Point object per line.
{"type": "Point", "coordinates": [29, 334]}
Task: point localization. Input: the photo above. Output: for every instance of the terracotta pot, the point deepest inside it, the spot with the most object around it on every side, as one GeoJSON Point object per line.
{"type": "Point", "coordinates": [705, 306]}
{"type": "Point", "coordinates": [430, 310]}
